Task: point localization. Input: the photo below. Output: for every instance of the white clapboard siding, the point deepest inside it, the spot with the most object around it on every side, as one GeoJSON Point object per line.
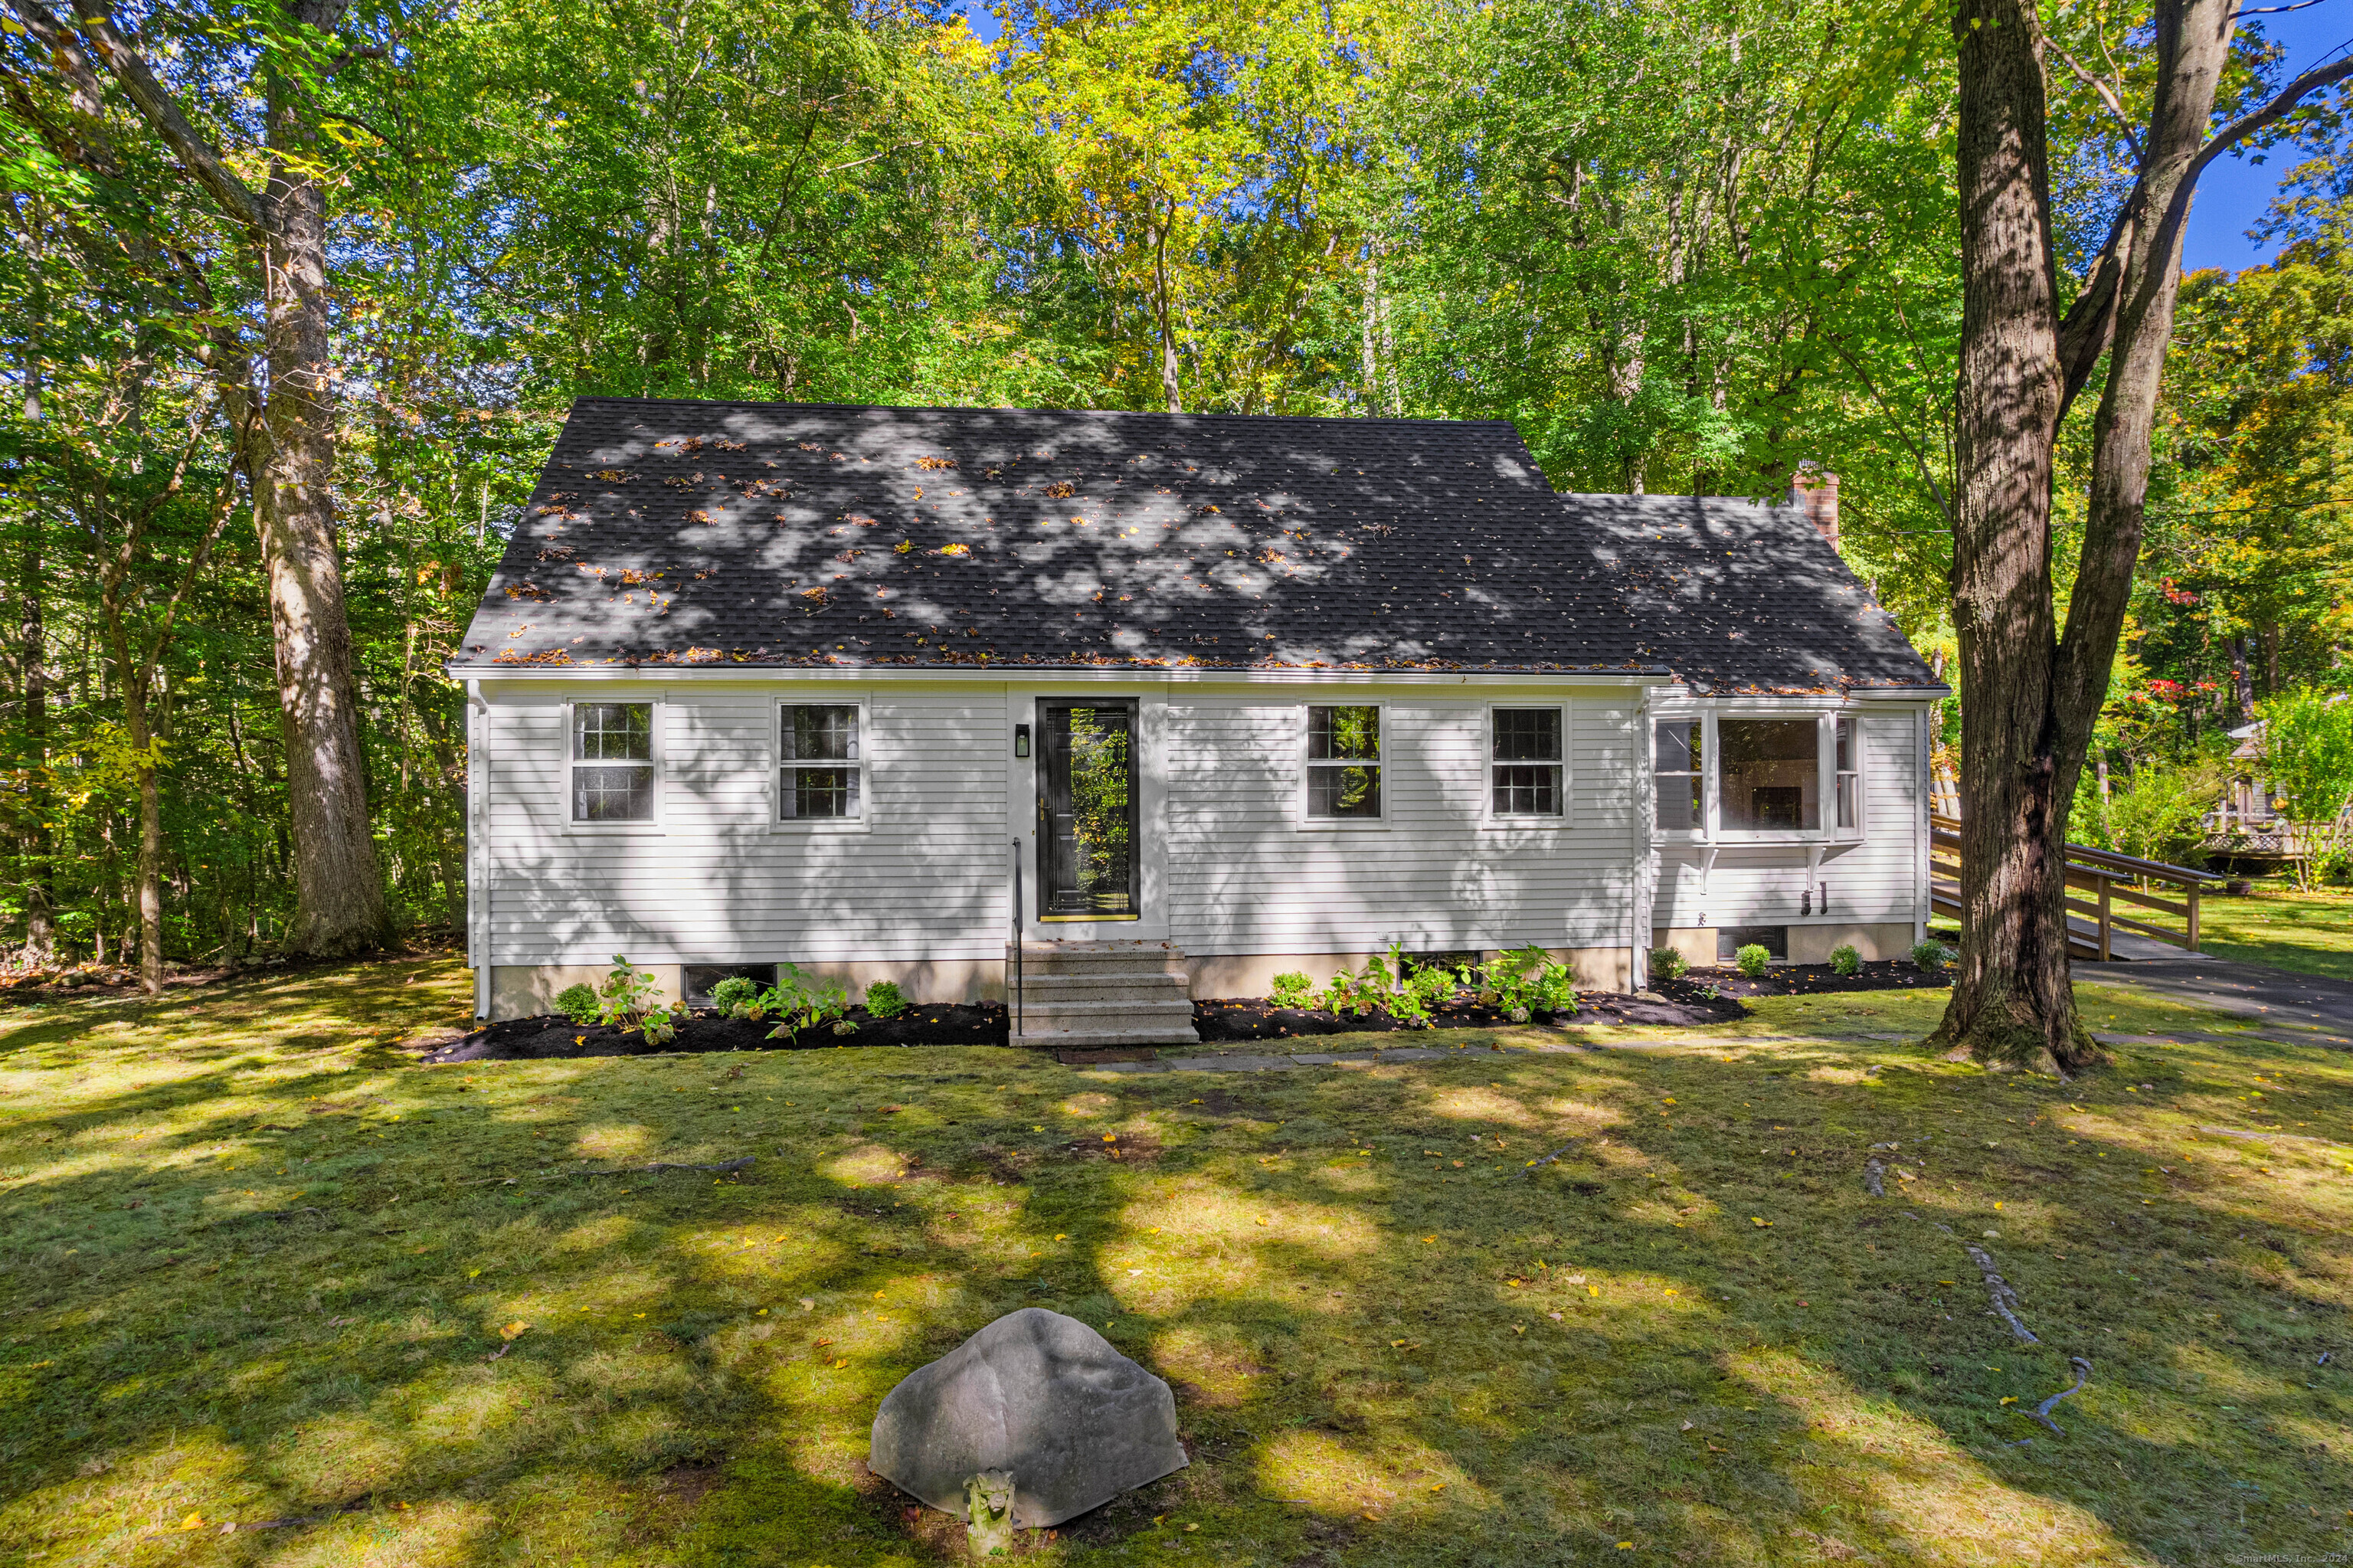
{"type": "Point", "coordinates": [1243, 876]}
{"type": "Point", "coordinates": [717, 883]}
{"type": "Point", "coordinates": [1874, 880]}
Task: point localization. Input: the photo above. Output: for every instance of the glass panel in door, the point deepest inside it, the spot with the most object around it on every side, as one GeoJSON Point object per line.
{"type": "Point", "coordinates": [1086, 811]}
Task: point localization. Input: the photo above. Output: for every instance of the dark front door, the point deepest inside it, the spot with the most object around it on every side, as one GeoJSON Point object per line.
{"type": "Point", "coordinates": [1086, 810]}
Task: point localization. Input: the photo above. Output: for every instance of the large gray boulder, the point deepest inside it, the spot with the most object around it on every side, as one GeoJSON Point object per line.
{"type": "Point", "coordinates": [1038, 1394]}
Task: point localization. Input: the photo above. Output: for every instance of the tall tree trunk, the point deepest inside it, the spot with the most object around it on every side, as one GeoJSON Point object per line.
{"type": "Point", "coordinates": [339, 903]}
{"type": "Point", "coordinates": [33, 661]}
{"type": "Point", "coordinates": [2011, 998]}
{"type": "Point", "coordinates": [2033, 698]}
{"type": "Point", "coordinates": [1168, 383]}
{"type": "Point", "coordinates": [288, 453]}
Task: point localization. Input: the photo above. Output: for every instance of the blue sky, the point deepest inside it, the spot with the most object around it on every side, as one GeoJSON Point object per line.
{"type": "Point", "coordinates": [2234, 192]}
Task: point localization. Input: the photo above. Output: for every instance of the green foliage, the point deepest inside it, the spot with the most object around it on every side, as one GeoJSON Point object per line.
{"type": "Point", "coordinates": [801, 1003]}
{"type": "Point", "coordinates": [738, 997]}
{"type": "Point", "coordinates": [1752, 958]}
{"type": "Point", "coordinates": [1524, 982]}
{"type": "Point", "coordinates": [2153, 812]}
{"type": "Point", "coordinates": [884, 1001]}
{"type": "Point", "coordinates": [580, 1003]}
{"type": "Point", "coordinates": [1845, 961]}
{"type": "Point", "coordinates": [2308, 759]}
{"type": "Point", "coordinates": [1292, 988]}
{"type": "Point", "coordinates": [1668, 963]}
{"type": "Point", "coordinates": [1932, 956]}
{"type": "Point", "coordinates": [631, 999]}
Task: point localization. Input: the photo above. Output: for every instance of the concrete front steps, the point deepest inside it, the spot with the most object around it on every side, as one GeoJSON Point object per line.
{"type": "Point", "coordinates": [1088, 995]}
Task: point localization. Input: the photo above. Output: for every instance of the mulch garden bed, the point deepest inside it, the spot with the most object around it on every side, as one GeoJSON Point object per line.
{"type": "Point", "coordinates": [1699, 996]}
{"type": "Point", "coordinates": [552, 1035]}
{"type": "Point", "coordinates": [1805, 980]}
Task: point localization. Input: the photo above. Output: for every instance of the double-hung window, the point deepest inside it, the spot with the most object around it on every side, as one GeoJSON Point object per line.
{"type": "Point", "coordinates": [1850, 776]}
{"type": "Point", "coordinates": [1682, 769]}
{"type": "Point", "coordinates": [1344, 763]}
{"type": "Point", "coordinates": [820, 774]}
{"type": "Point", "coordinates": [1525, 770]}
{"type": "Point", "coordinates": [612, 762]}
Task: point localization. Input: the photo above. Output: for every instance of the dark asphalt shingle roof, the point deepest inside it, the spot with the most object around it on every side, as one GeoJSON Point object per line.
{"type": "Point", "coordinates": [804, 535]}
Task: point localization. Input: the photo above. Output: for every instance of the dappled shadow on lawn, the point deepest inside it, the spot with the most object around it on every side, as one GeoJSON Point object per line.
{"type": "Point", "coordinates": [289, 1286]}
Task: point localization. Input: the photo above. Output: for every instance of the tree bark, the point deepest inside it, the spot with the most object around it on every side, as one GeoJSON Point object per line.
{"type": "Point", "coordinates": [288, 453]}
{"type": "Point", "coordinates": [339, 903]}
{"type": "Point", "coordinates": [2011, 998]}
{"type": "Point", "coordinates": [2033, 698]}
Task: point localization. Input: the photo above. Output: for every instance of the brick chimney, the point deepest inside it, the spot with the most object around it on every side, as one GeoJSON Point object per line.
{"type": "Point", "coordinates": [1813, 491]}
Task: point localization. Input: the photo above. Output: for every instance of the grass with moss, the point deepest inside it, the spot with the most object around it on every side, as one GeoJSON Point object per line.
{"type": "Point", "coordinates": [2311, 933]}
{"type": "Point", "coordinates": [259, 1266]}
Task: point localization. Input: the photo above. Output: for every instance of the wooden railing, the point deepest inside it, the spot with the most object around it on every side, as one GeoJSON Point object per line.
{"type": "Point", "coordinates": [2110, 878]}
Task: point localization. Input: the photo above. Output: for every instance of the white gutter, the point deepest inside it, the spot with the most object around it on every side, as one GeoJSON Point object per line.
{"type": "Point", "coordinates": [1048, 674]}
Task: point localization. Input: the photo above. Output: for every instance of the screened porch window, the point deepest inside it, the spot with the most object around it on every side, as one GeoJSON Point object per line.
{"type": "Point", "coordinates": [1525, 769]}
{"type": "Point", "coordinates": [613, 762]}
{"type": "Point", "coordinates": [1344, 762]}
{"type": "Point", "coordinates": [820, 776]}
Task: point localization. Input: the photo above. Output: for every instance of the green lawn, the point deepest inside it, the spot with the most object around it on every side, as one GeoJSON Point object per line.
{"type": "Point", "coordinates": [261, 1265]}
{"type": "Point", "coordinates": [2311, 933]}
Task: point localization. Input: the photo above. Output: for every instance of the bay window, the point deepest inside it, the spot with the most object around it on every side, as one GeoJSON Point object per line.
{"type": "Point", "coordinates": [1736, 775]}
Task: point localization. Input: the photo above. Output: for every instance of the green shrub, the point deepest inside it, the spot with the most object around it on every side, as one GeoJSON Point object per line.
{"type": "Point", "coordinates": [802, 1004]}
{"type": "Point", "coordinates": [1668, 963]}
{"type": "Point", "coordinates": [1846, 960]}
{"type": "Point", "coordinates": [731, 995]}
{"type": "Point", "coordinates": [1521, 981]}
{"type": "Point", "coordinates": [1931, 956]}
{"type": "Point", "coordinates": [579, 1003]}
{"type": "Point", "coordinates": [1434, 983]}
{"type": "Point", "coordinates": [631, 998]}
{"type": "Point", "coordinates": [1752, 959]}
{"type": "Point", "coordinates": [884, 1000]}
{"type": "Point", "coordinates": [1292, 989]}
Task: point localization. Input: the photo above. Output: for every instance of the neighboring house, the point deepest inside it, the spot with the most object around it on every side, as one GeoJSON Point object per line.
{"type": "Point", "coordinates": [762, 682]}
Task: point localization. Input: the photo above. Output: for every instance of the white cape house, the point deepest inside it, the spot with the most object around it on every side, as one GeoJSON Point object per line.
{"type": "Point", "coordinates": [759, 683]}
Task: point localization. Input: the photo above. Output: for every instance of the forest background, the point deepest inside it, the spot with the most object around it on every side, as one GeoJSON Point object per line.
{"type": "Point", "coordinates": [1685, 247]}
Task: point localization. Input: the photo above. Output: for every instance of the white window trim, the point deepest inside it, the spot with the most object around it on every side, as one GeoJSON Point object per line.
{"type": "Point", "coordinates": [861, 823]}
{"type": "Point", "coordinates": [1541, 821]}
{"type": "Point", "coordinates": [1862, 771]}
{"type": "Point", "coordinates": [1825, 829]}
{"type": "Point", "coordinates": [1697, 835]}
{"type": "Point", "coordinates": [1300, 817]}
{"type": "Point", "coordinates": [652, 826]}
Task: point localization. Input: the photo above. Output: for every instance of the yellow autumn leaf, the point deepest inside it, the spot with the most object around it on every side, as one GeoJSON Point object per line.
{"type": "Point", "coordinates": [1760, 1222]}
{"type": "Point", "coordinates": [513, 1329]}
{"type": "Point", "coordinates": [1593, 1290]}
{"type": "Point", "coordinates": [194, 1521]}
{"type": "Point", "coordinates": [1113, 1138]}
{"type": "Point", "coordinates": [2011, 1399]}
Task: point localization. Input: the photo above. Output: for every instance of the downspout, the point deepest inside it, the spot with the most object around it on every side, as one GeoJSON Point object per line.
{"type": "Point", "coordinates": [1638, 866]}
{"type": "Point", "coordinates": [477, 847]}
